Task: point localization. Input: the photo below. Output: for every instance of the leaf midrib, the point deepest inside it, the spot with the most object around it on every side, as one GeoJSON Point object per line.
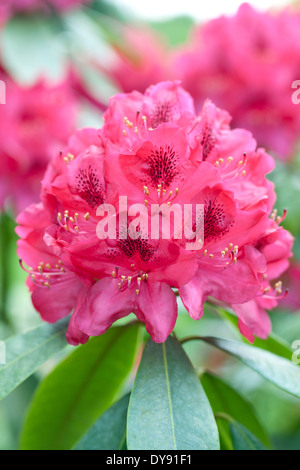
{"type": "Point", "coordinates": [81, 390]}
{"type": "Point", "coordinates": [169, 395]}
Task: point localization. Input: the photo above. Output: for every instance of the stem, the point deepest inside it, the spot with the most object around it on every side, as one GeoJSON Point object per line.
{"type": "Point", "coordinates": [190, 338]}
{"type": "Point", "coordinates": [225, 416]}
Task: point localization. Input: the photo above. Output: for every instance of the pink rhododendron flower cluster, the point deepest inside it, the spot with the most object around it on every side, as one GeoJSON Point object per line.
{"type": "Point", "coordinates": [154, 149]}
{"type": "Point", "coordinates": [247, 64]}
{"type": "Point", "coordinates": [35, 123]}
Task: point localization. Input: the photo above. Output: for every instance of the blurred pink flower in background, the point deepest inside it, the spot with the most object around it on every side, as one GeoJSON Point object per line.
{"type": "Point", "coordinates": [292, 280]}
{"type": "Point", "coordinates": [141, 60]}
{"type": "Point", "coordinates": [11, 7]}
{"type": "Point", "coordinates": [35, 124]}
{"type": "Point", "coordinates": [154, 149]}
{"type": "Point", "coordinates": [246, 64]}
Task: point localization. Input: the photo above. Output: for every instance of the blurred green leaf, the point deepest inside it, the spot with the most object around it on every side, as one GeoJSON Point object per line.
{"type": "Point", "coordinates": [273, 343]}
{"type": "Point", "coordinates": [109, 432]}
{"type": "Point", "coordinates": [175, 30]}
{"type": "Point", "coordinates": [12, 412]}
{"type": "Point", "coordinates": [79, 390]}
{"type": "Point", "coordinates": [287, 184]}
{"type": "Point", "coordinates": [26, 352]}
{"type": "Point", "coordinates": [281, 372]}
{"type": "Point", "coordinates": [168, 407]}
{"type": "Point", "coordinates": [243, 439]}
{"type": "Point", "coordinates": [225, 399]}
{"type": "Point", "coordinates": [31, 49]}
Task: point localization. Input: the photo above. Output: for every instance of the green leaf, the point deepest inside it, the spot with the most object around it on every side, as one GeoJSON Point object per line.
{"type": "Point", "coordinates": [174, 31]}
{"type": "Point", "coordinates": [26, 352]}
{"type": "Point", "coordinates": [243, 439]}
{"type": "Point", "coordinates": [79, 390]}
{"type": "Point", "coordinates": [281, 372]}
{"type": "Point", "coordinates": [109, 432]}
{"type": "Point", "coordinates": [31, 49]}
{"type": "Point", "coordinates": [168, 407]}
{"type": "Point", "coordinates": [273, 343]}
{"type": "Point", "coordinates": [287, 183]}
{"type": "Point", "coordinates": [225, 399]}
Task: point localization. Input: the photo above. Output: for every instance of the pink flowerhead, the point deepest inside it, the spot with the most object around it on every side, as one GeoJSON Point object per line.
{"type": "Point", "coordinates": [153, 149]}
{"type": "Point", "coordinates": [35, 123]}
{"type": "Point", "coordinates": [247, 64]}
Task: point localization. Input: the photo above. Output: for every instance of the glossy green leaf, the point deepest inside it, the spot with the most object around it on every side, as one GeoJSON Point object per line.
{"type": "Point", "coordinates": [243, 439]}
{"type": "Point", "coordinates": [225, 399]}
{"type": "Point", "coordinates": [79, 390]}
{"type": "Point", "coordinates": [25, 353]}
{"type": "Point", "coordinates": [109, 431]}
{"type": "Point", "coordinates": [273, 343]}
{"type": "Point", "coordinates": [281, 372]}
{"type": "Point", "coordinates": [168, 407]}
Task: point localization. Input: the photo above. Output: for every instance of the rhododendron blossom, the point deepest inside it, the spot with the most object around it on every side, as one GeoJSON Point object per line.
{"type": "Point", "coordinates": [247, 64]}
{"type": "Point", "coordinates": [154, 149]}
{"type": "Point", "coordinates": [34, 123]}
